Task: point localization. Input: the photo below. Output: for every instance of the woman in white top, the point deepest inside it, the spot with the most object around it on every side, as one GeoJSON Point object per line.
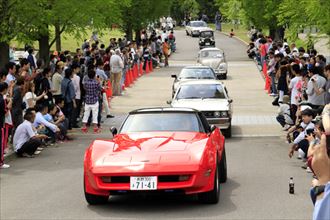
{"type": "Point", "coordinates": [30, 97]}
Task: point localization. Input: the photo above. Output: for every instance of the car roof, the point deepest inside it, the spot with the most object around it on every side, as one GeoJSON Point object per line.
{"type": "Point", "coordinates": [202, 81]}
{"type": "Point", "coordinates": [163, 110]}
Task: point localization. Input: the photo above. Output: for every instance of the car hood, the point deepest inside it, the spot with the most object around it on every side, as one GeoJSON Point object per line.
{"type": "Point", "coordinates": [213, 63]}
{"type": "Point", "coordinates": [150, 148]}
{"type": "Point", "coordinates": [203, 104]}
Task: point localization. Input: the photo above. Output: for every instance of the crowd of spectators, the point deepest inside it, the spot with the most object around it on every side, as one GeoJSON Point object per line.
{"type": "Point", "coordinates": [300, 81]}
{"type": "Point", "coordinates": [41, 102]}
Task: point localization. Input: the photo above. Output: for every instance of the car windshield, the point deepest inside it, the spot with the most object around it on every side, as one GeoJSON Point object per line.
{"type": "Point", "coordinates": [198, 24]}
{"type": "Point", "coordinates": [196, 73]}
{"type": "Point", "coordinates": [206, 34]}
{"type": "Point", "coordinates": [211, 54]}
{"type": "Point", "coordinates": [201, 91]}
{"type": "Point", "coordinates": [147, 122]}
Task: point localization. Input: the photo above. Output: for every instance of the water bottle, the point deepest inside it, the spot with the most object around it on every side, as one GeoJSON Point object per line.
{"type": "Point", "coordinates": [291, 186]}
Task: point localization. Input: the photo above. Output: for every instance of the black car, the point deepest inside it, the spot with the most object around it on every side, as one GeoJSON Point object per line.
{"type": "Point", "coordinates": [206, 39]}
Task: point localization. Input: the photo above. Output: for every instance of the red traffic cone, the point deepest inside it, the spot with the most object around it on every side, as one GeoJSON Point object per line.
{"type": "Point", "coordinates": [264, 69]}
{"type": "Point", "coordinates": [108, 91]}
{"type": "Point", "coordinates": [147, 67]}
{"type": "Point", "coordinates": [150, 64]}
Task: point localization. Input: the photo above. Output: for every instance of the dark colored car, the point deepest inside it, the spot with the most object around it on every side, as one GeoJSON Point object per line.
{"type": "Point", "coordinates": [206, 39]}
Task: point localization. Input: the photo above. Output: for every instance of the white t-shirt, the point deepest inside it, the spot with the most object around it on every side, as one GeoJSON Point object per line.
{"type": "Point", "coordinates": [76, 85]}
{"type": "Point", "coordinates": [30, 95]}
{"type": "Point", "coordinates": [23, 133]}
{"type": "Point", "coordinates": [295, 86]}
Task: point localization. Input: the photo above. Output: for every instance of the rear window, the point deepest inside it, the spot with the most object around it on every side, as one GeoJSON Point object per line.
{"type": "Point", "coordinates": [192, 73]}
{"type": "Point", "coordinates": [148, 122]}
{"type": "Point", "coordinates": [198, 24]}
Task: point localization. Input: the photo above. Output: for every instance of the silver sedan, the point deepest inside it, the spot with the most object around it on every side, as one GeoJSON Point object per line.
{"type": "Point", "coordinates": [214, 58]}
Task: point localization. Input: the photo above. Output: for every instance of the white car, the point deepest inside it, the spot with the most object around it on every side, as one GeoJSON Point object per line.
{"type": "Point", "coordinates": [214, 58]}
{"type": "Point", "coordinates": [210, 97]}
{"type": "Point", "coordinates": [192, 73]}
{"type": "Point", "coordinates": [193, 28]}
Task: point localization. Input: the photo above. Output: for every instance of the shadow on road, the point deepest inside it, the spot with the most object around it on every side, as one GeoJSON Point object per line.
{"type": "Point", "coordinates": [174, 205]}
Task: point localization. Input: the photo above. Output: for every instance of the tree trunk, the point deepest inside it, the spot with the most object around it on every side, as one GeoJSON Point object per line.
{"type": "Point", "coordinates": [44, 48]}
{"type": "Point", "coordinates": [4, 54]}
{"type": "Point", "coordinates": [58, 37]}
{"type": "Point", "coordinates": [129, 32]}
{"type": "Point", "coordinates": [276, 33]}
{"type": "Point", "coordinates": [137, 36]}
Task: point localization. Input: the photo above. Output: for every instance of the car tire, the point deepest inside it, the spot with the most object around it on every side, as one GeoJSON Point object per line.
{"type": "Point", "coordinates": [211, 197]}
{"type": "Point", "coordinates": [225, 76]}
{"type": "Point", "coordinates": [227, 132]}
{"type": "Point", "coordinates": [223, 168]}
{"type": "Point", "coordinates": [187, 33]}
{"type": "Point", "coordinates": [95, 199]}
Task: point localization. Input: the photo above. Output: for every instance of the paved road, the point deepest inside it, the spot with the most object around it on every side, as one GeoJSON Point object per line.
{"type": "Point", "coordinates": [50, 186]}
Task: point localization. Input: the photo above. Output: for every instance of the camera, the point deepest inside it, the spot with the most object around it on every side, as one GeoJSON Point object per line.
{"type": "Point", "coordinates": [310, 132]}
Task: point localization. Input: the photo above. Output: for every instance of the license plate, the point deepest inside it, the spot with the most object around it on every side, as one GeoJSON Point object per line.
{"type": "Point", "coordinates": [143, 183]}
{"type": "Point", "coordinates": [207, 43]}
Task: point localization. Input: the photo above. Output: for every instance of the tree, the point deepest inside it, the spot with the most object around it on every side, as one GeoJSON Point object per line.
{"type": "Point", "coordinates": [139, 13]}
{"type": "Point", "coordinates": [305, 14]}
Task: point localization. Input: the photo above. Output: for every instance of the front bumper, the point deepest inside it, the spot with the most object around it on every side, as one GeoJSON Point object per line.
{"type": "Point", "coordinates": [222, 123]}
{"type": "Point", "coordinates": [220, 72]}
{"type": "Point", "coordinates": [197, 183]}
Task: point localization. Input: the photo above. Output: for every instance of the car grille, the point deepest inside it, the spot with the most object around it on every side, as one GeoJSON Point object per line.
{"type": "Point", "coordinates": [161, 179]}
{"type": "Point", "coordinates": [208, 114]}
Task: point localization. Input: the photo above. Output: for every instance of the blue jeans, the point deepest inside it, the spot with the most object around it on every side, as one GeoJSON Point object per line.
{"type": "Point", "coordinates": [273, 86]}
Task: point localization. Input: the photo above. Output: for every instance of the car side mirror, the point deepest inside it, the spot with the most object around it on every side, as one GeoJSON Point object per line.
{"type": "Point", "coordinates": [212, 128]}
{"type": "Point", "coordinates": [169, 102]}
{"type": "Point", "coordinates": [174, 76]}
{"type": "Point", "coordinates": [230, 100]}
{"type": "Point", "coordinates": [113, 130]}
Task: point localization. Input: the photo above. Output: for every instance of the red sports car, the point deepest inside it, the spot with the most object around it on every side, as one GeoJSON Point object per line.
{"type": "Point", "coordinates": [157, 150]}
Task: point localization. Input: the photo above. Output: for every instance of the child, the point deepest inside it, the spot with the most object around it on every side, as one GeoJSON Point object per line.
{"type": "Point", "coordinates": [231, 34]}
{"type": "Point", "coordinates": [3, 91]}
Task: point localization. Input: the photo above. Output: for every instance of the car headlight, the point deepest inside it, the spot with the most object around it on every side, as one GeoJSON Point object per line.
{"type": "Point", "coordinates": [222, 66]}
{"type": "Point", "coordinates": [217, 114]}
{"type": "Point", "coordinates": [224, 114]}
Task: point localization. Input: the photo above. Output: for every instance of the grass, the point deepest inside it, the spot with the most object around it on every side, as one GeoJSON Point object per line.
{"type": "Point", "coordinates": [70, 42]}
{"type": "Point", "coordinates": [240, 32]}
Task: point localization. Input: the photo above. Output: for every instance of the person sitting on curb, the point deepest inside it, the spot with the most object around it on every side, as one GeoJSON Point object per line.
{"type": "Point", "coordinates": [300, 143]}
{"type": "Point", "coordinates": [40, 120]}
{"type": "Point", "coordinates": [283, 116]}
{"type": "Point", "coordinates": [26, 141]}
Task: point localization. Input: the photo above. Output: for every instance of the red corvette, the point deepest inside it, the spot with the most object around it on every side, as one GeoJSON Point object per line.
{"type": "Point", "coordinates": [162, 150]}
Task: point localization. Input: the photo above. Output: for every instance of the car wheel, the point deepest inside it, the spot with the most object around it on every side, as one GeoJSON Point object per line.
{"type": "Point", "coordinates": [95, 199]}
{"type": "Point", "coordinates": [187, 33]}
{"type": "Point", "coordinates": [227, 132]}
{"type": "Point", "coordinates": [225, 76]}
{"type": "Point", "coordinates": [212, 197]}
{"type": "Point", "coordinates": [223, 167]}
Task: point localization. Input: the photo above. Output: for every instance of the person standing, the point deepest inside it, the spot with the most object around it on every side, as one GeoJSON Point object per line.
{"type": "Point", "coordinates": [295, 86]}
{"type": "Point", "coordinates": [57, 80]}
{"type": "Point", "coordinates": [100, 74]}
{"type": "Point", "coordinates": [92, 93]}
{"type": "Point", "coordinates": [316, 99]}
{"type": "Point", "coordinates": [217, 19]}
{"type": "Point", "coordinates": [68, 93]}
{"type": "Point", "coordinates": [76, 84]}
{"type": "Point", "coordinates": [3, 91]}
{"type": "Point", "coordinates": [117, 65]}
{"type": "Point", "coordinates": [166, 51]}
{"type": "Point", "coordinates": [17, 107]}
{"type": "Point", "coordinates": [11, 68]}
